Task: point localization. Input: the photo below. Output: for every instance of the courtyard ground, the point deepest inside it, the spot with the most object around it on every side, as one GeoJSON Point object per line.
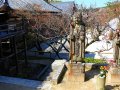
{"type": "Point", "coordinates": [89, 84]}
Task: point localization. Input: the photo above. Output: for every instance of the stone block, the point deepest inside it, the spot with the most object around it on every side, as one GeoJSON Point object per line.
{"type": "Point", "coordinates": [58, 68]}
{"type": "Point", "coordinates": [77, 72]}
{"type": "Point", "coordinates": [114, 75]}
{"type": "Point", "coordinates": [77, 78]}
{"type": "Point", "coordinates": [57, 63]}
{"type": "Point", "coordinates": [58, 75]}
{"type": "Point", "coordinates": [78, 67]}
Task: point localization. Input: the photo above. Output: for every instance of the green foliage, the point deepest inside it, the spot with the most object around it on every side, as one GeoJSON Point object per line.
{"type": "Point", "coordinates": [92, 60]}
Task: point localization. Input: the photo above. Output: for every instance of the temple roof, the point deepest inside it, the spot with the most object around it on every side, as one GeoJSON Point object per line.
{"type": "Point", "coordinates": [66, 7]}
{"type": "Point", "coordinates": [28, 5]}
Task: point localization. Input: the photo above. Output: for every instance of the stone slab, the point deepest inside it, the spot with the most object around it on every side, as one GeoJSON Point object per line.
{"type": "Point", "coordinates": [58, 67]}
{"type": "Point", "coordinates": [57, 63]}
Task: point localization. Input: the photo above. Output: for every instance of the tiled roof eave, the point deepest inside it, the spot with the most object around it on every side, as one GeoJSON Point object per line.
{"type": "Point", "coordinates": [45, 6]}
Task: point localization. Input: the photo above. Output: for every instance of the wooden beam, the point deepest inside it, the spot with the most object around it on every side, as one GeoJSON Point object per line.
{"type": "Point", "coordinates": [15, 52]}
{"type": "Point", "coordinates": [1, 48]}
{"type": "Point", "coordinates": [11, 45]}
{"type": "Point", "coordinates": [25, 47]}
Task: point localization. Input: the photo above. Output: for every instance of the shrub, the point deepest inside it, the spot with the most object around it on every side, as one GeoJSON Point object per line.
{"type": "Point", "coordinates": [92, 60]}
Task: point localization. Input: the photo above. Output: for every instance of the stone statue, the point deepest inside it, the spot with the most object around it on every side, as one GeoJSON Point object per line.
{"type": "Point", "coordinates": [77, 37]}
{"type": "Point", "coordinates": [116, 46]}
{"type": "Point", "coordinates": [114, 71]}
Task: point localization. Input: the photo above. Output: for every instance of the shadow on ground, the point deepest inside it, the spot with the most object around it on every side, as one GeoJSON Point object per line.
{"type": "Point", "coordinates": [109, 87]}
{"type": "Point", "coordinates": [91, 73]}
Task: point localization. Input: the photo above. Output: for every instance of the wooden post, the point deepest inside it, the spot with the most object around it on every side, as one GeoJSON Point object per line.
{"type": "Point", "coordinates": [25, 48]}
{"type": "Point", "coordinates": [23, 24]}
{"type": "Point", "coordinates": [1, 48]}
{"type": "Point", "coordinates": [15, 53]}
{"type": "Point", "coordinates": [11, 45]}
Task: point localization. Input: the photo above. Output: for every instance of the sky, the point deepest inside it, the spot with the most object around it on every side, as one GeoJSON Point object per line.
{"type": "Point", "coordinates": [93, 3]}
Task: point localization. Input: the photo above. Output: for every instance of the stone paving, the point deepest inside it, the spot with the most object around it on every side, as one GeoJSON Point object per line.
{"type": "Point", "coordinates": [89, 84]}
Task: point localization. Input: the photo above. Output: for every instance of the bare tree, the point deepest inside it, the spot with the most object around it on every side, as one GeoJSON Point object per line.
{"type": "Point", "coordinates": [43, 24]}
{"type": "Point", "coordinates": [92, 24]}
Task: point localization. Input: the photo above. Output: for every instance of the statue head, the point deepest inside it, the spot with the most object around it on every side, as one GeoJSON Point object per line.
{"type": "Point", "coordinates": [77, 17]}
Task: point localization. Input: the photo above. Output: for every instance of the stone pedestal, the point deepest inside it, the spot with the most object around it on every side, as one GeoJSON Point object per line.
{"type": "Point", "coordinates": [77, 72]}
{"type": "Point", "coordinates": [114, 75]}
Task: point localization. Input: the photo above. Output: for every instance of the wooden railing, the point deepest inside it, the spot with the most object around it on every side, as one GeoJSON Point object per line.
{"type": "Point", "coordinates": [11, 27]}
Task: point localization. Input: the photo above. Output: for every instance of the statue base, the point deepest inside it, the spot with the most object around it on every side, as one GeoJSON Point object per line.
{"type": "Point", "coordinates": [76, 72]}
{"type": "Point", "coordinates": [114, 75]}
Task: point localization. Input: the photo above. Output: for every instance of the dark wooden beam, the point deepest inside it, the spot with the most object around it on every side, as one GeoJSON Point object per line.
{"type": "Point", "coordinates": [15, 52]}
{"type": "Point", "coordinates": [1, 48]}
{"type": "Point", "coordinates": [11, 45]}
{"type": "Point", "coordinates": [25, 47]}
